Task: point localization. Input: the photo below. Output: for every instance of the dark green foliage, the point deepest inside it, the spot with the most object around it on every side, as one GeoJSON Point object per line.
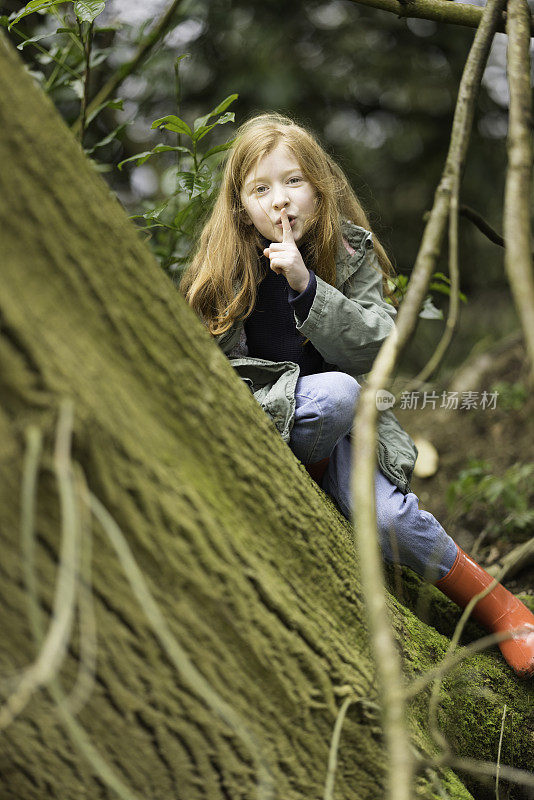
{"type": "Point", "coordinates": [509, 496]}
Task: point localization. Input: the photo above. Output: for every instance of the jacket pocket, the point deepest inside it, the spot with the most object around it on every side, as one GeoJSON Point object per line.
{"type": "Point", "coordinates": [397, 452]}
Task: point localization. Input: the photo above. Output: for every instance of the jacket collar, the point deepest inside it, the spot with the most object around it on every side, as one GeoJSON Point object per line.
{"type": "Point", "coordinates": [347, 263]}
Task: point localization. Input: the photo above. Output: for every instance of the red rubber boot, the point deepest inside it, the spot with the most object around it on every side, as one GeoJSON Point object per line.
{"type": "Point", "coordinates": [499, 611]}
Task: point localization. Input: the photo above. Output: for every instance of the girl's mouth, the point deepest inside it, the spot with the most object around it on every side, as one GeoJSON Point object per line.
{"type": "Point", "coordinates": [292, 221]}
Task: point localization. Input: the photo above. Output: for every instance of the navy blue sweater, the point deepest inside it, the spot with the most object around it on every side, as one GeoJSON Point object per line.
{"type": "Point", "coordinates": [271, 330]}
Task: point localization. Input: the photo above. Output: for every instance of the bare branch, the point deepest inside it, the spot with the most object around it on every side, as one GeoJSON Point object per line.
{"type": "Point", "coordinates": [517, 213]}
{"type": "Point", "coordinates": [482, 225]}
{"type": "Point", "coordinates": [516, 560]}
{"type": "Point", "coordinates": [452, 317]}
{"type": "Point", "coordinates": [511, 774]}
{"type": "Point", "coordinates": [334, 746]}
{"type": "Point", "coordinates": [499, 754]}
{"type": "Point", "coordinates": [439, 11]}
{"type": "Point", "coordinates": [85, 680]}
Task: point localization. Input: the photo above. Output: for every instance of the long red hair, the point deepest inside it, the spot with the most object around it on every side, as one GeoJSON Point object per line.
{"type": "Point", "coordinates": [221, 281]}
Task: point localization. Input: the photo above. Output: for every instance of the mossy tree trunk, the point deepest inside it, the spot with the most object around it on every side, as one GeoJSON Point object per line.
{"type": "Point", "coordinates": [250, 563]}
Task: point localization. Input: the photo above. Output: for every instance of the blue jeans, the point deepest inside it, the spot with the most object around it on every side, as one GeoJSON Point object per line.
{"type": "Point", "coordinates": [325, 405]}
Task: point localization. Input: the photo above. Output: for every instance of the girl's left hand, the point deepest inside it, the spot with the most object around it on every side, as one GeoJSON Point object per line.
{"type": "Point", "coordinates": [285, 257]}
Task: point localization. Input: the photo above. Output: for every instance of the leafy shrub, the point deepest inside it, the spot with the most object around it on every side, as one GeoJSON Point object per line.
{"type": "Point", "coordinates": [178, 218]}
{"type": "Point", "coordinates": [512, 396]}
{"type": "Point", "coordinates": [503, 504]}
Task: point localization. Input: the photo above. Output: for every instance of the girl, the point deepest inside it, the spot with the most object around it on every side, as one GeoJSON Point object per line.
{"type": "Point", "coordinates": [290, 280]}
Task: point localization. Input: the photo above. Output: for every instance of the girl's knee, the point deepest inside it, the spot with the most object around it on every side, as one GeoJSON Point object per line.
{"type": "Point", "coordinates": [330, 395]}
{"type": "Point", "coordinates": [343, 392]}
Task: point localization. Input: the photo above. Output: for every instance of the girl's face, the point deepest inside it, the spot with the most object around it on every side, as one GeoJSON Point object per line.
{"type": "Point", "coordinates": [277, 182]}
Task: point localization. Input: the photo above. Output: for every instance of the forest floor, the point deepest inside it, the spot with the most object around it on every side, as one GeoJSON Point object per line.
{"type": "Point", "coordinates": [502, 437]}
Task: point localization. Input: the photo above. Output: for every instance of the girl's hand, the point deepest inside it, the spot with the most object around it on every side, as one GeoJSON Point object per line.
{"type": "Point", "coordinates": [285, 257]}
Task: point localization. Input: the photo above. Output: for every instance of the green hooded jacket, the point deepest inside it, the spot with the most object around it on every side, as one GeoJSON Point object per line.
{"type": "Point", "coordinates": [347, 325]}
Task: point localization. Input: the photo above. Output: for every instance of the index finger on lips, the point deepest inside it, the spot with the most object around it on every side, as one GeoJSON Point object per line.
{"type": "Point", "coordinates": [287, 233]}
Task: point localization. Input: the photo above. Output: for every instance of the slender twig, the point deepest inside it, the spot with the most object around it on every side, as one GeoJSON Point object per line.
{"type": "Point", "coordinates": [110, 87]}
{"type": "Point", "coordinates": [85, 680]}
{"type": "Point", "coordinates": [421, 683]}
{"type": "Point", "coordinates": [399, 757]}
{"type": "Point", "coordinates": [32, 458]}
{"type": "Point", "coordinates": [499, 755]}
{"type": "Point", "coordinates": [516, 560]}
{"type": "Point", "coordinates": [482, 224]}
{"type": "Point", "coordinates": [517, 192]}
{"type": "Point", "coordinates": [512, 774]}
{"type": "Point", "coordinates": [334, 747]}
{"type": "Point", "coordinates": [454, 272]}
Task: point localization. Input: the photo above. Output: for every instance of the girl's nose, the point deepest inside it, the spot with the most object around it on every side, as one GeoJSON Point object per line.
{"type": "Point", "coordinates": [280, 199]}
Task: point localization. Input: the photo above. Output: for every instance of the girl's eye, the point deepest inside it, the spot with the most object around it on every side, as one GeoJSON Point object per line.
{"type": "Point", "coordinates": [295, 178]}
{"type": "Point", "coordinates": [259, 189]}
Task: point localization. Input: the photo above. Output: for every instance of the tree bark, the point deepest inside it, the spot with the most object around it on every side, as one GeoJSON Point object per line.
{"type": "Point", "coordinates": [248, 560]}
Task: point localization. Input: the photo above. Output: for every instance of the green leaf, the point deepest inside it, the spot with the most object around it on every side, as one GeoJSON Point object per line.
{"type": "Point", "coordinates": [32, 7]}
{"type": "Point", "coordinates": [98, 57]}
{"type": "Point", "coordinates": [218, 149]}
{"type": "Point", "coordinates": [201, 121]}
{"type": "Point", "coordinates": [439, 287]}
{"type": "Point", "coordinates": [224, 104]}
{"type": "Point", "coordinates": [442, 276]}
{"type": "Point", "coordinates": [33, 39]}
{"type": "Point", "coordinates": [88, 10]}
{"type": "Point", "coordinates": [140, 158]}
{"type": "Point", "coordinates": [172, 123]}
{"type": "Point", "coordinates": [108, 104]}
{"type": "Point", "coordinates": [4, 22]}
{"type": "Point", "coordinates": [107, 139]}
{"type": "Point", "coordinates": [194, 183]}
{"type": "Point", "coordinates": [156, 212]}
{"type": "Point", "coordinates": [201, 132]}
